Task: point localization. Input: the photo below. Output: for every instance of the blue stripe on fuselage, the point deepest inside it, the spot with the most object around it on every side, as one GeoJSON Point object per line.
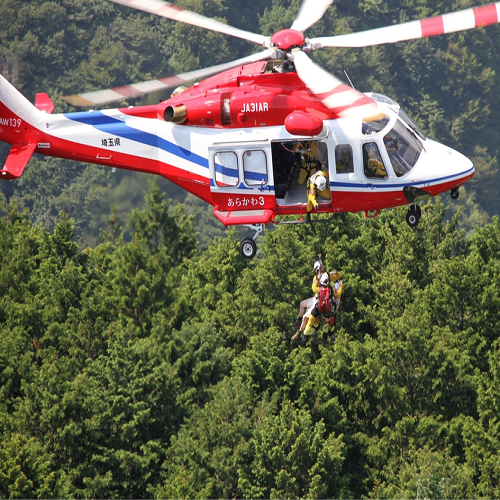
{"type": "Point", "coordinates": [109, 125]}
{"type": "Point", "coordinates": [389, 186]}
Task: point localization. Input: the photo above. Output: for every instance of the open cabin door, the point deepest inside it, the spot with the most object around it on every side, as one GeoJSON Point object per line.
{"type": "Point", "coordinates": [241, 181]}
{"type": "Point", "coordinates": [294, 162]}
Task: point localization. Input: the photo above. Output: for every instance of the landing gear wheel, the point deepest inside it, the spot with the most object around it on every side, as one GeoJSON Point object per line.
{"type": "Point", "coordinates": [248, 248]}
{"type": "Point", "coordinates": [455, 193]}
{"type": "Point", "coordinates": [413, 217]}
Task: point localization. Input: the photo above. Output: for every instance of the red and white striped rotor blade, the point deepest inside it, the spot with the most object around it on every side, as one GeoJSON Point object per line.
{"type": "Point", "coordinates": [170, 11]}
{"type": "Point", "coordinates": [138, 89]}
{"type": "Point", "coordinates": [343, 100]}
{"type": "Point", "coordinates": [309, 13]}
{"type": "Point", "coordinates": [462, 20]}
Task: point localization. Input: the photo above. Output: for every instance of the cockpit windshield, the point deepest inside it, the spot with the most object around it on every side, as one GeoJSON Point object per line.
{"type": "Point", "coordinates": [411, 124]}
{"type": "Point", "coordinates": [403, 147]}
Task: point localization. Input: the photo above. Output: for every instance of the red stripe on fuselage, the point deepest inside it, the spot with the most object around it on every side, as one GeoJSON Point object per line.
{"type": "Point", "coordinates": [14, 130]}
{"type": "Point", "coordinates": [367, 199]}
{"type": "Point", "coordinates": [432, 26]}
{"type": "Point", "coordinates": [485, 15]}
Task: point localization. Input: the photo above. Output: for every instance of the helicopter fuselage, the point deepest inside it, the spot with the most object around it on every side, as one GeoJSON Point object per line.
{"type": "Point", "coordinates": [246, 142]}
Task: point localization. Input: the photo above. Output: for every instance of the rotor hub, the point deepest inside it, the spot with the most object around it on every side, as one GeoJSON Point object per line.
{"type": "Point", "coordinates": [288, 39]}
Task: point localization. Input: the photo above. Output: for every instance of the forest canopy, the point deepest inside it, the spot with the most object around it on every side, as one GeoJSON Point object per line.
{"type": "Point", "coordinates": [149, 368]}
{"type": "Point", "coordinates": [141, 356]}
{"type": "Point", "coordinates": [448, 85]}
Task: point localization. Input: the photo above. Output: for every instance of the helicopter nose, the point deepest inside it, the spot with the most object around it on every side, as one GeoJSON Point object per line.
{"type": "Point", "coordinates": [444, 165]}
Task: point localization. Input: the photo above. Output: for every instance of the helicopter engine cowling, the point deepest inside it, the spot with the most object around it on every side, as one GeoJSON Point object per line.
{"type": "Point", "coordinates": [175, 114]}
{"type": "Point", "coordinates": [204, 111]}
{"type": "Point", "coordinates": [301, 123]}
{"type": "Point", "coordinates": [245, 108]}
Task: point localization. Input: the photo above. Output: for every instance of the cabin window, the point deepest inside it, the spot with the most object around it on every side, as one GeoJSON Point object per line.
{"type": "Point", "coordinates": [226, 169]}
{"type": "Point", "coordinates": [372, 162]}
{"type": "Point", "coordinates": [343, 159]}
{"type": "Point", "coordinates": [255, 167]}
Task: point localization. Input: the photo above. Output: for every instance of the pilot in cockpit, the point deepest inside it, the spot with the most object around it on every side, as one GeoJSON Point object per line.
{"type": "Point", "coordinates": [374, 167]}
{"type": "Point", "coordinates": [391, 144]}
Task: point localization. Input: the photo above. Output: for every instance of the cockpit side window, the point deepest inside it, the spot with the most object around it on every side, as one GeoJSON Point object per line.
{"type": "Point", "coordinates": [372, 162]}
{"type": "Point", "coordinates": [403, 148]}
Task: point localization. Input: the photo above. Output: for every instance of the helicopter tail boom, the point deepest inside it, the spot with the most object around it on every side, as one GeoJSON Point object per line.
{"type": "Point", "coordinates": [18, 127]}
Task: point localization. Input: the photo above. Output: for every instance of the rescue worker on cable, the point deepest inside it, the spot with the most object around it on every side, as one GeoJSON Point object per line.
{"type": "Point", "coordinates": [326, 304]}
{"type": "Point", "coordinates": [307, 304]}
{"type": "Point", "coordinates": [325, 309]}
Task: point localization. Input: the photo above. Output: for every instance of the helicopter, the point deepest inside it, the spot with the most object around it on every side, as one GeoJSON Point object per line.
{"type": "Point", "coordinates": [249, 134]}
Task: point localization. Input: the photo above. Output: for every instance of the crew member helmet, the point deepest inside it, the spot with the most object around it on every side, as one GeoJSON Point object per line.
{"type": "Point", "coordinates": [321, 182]}
{"type": "Point", "coordinates": [324, 279]}
{"type": "Point", "coordinates": [317, 266]}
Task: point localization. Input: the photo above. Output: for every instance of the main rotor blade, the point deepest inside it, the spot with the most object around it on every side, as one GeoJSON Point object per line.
{"type": "Point", "coordinates": [337, 96]}
{"type": "Point", "coordinates": [448, 23]}
{"type": "Point", "coordinates": [138, 89]}
{"type": "Point", "coordinates": [310, 12]}
{"type": "Point", "coordinates": [170, 11]}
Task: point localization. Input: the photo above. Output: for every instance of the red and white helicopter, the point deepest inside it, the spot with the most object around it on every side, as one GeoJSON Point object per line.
{"type": "Point", "coordinates": [245, 139]}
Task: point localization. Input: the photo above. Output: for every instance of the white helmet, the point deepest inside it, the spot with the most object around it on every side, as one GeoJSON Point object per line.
{"type": "Point", "coordinates": [321, 182]}
{"type": "Point", "coordinates": [317, 266]}
{"type": "Point", "coordinates": [324, 279]}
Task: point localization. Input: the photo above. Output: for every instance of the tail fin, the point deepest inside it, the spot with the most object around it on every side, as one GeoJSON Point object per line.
{"type": "Point", "coordinates": [17, 160]}
{"type": "Point", "coordinates": [20, 122]}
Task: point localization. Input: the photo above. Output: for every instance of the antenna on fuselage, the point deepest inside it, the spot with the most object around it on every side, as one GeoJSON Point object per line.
{"type": "Point", "coordinates": [347, 76]}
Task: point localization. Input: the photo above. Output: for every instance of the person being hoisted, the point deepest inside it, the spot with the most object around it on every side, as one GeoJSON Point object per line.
{"type": "Point", "coordinates": [325, 307]}
{"type": "Point", "coordinates": [306, 305]}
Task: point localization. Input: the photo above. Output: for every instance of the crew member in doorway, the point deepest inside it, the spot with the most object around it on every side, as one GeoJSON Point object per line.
{"type": "Point", "coordinates": [308, 159]}
{"type": "Point", "coordinates": [317, 185]}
